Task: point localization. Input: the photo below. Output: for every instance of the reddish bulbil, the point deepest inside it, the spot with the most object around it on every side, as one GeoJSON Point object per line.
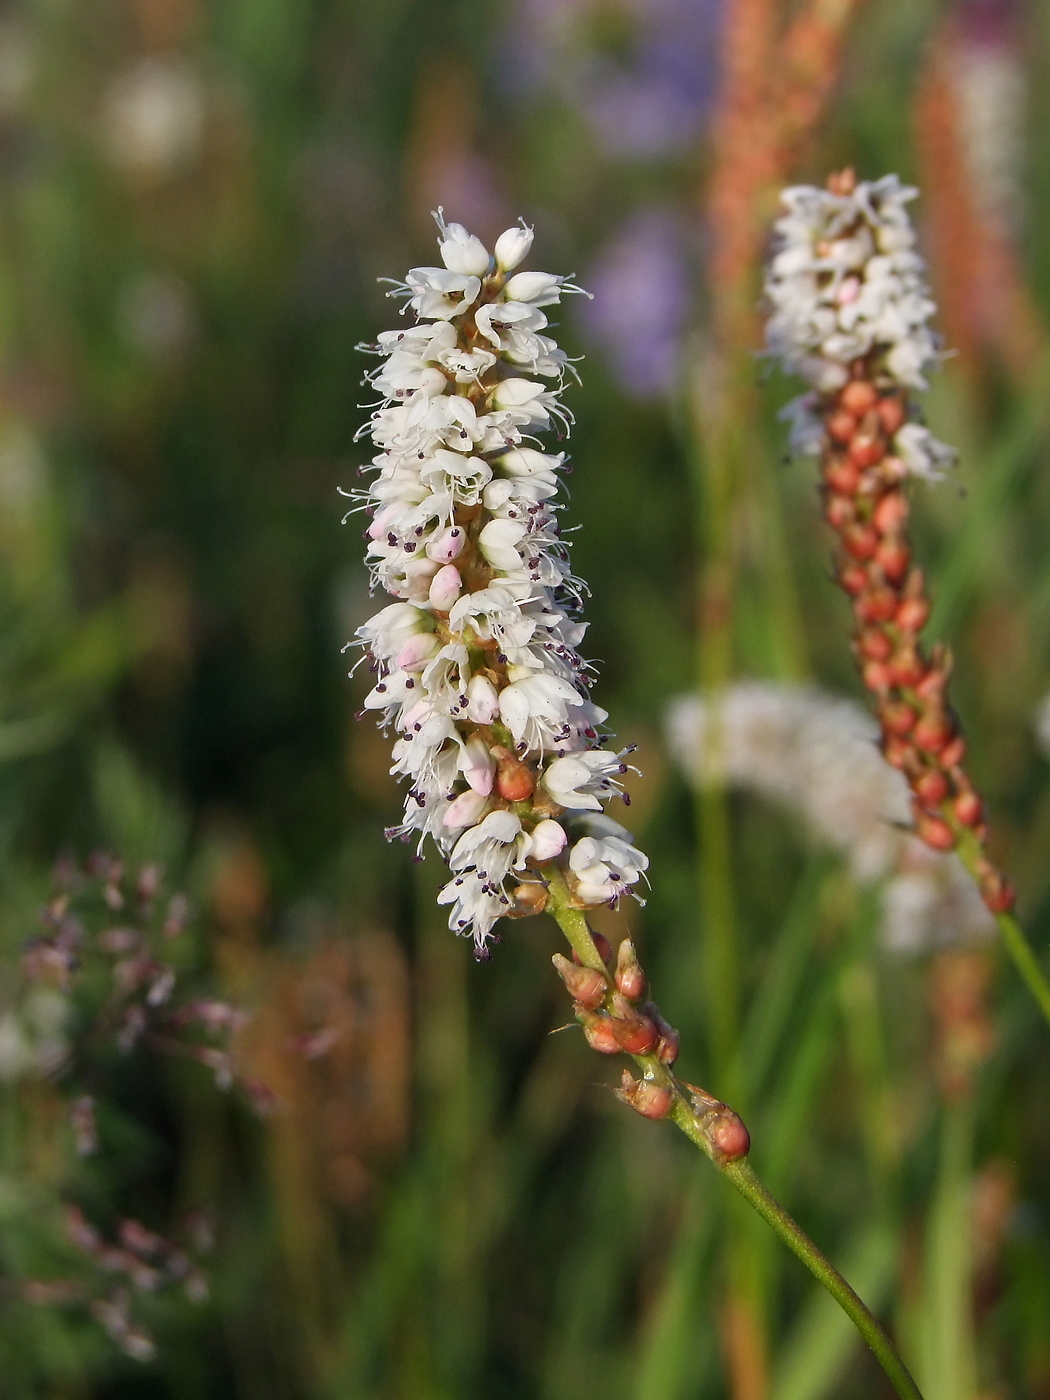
{"type": "Point", "coordinates": [842, 476]}
{"type": "Point", "coordinates": [932, 788]}
{"type": "Point", "coordinates": [935, 832]}
{"type": "Point", "coordinates": [729, 1137]}
{"type": "Point", "coordinates": [890, 513]}
{"type": "Point", "coordinates": [858, 397]}
{"type": "Point", "coordinates": [891, 415]}
{"type": "Point", "coordinates": [969, 808]}
{"type": "Point", "coordinates": [841, 426]}
{"type": "Point", "coordinates": [861, 540]}
{"type": "Point", "coordinates": [953, 754]}
{"type": "Point", "coordinates": [932, 733]}
{"type": "Point", "coordinates": [853, 580]}
{"type": "Point", "coordinates": [866, 450]}
{"type": "Point", "coordinates": [875, 644]}
{"type": "Point", "coordinates": [893, 557]}
{"type": "Point", "coordinates": [600, 1033]}
{"type": "Point", "coordinates": [897, 718]}
{"type": "Point", "coordinates": [839, 511]}
{"type": "Point", "coordinates": [877, 605]}
{"type": "Point", "coordinates": [912, 615]}
{"type": "Point", "coordinates": [601, 943]}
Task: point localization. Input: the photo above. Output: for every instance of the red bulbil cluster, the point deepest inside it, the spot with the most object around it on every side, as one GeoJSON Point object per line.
{"type": "Point", "coordinates": [607, 1007]}
{"type": "Point", "coordinates": [865, 503]}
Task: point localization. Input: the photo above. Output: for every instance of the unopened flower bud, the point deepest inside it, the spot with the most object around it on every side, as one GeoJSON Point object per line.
{"type": "Point", "coordinates": [482, 700]}
{"type": "Point", "coordinates": [465, 810]}
{"type": "Point", "coordinates": [445, 588]}
{"type": "Point", "coordinates": [548, 840]}
{"type": "Point", "coordinates": [447, 544]}
{"type": "Point", "coordinates": [649, 1099]}
{"type": "Point", "coordinates": [630, 979]}
{"type": "Point", "coordinates": [512, 247]}
{"type": "Point", "coordinates": [585, 985]}
{"type": "Point", "coordinates": [417, 651]}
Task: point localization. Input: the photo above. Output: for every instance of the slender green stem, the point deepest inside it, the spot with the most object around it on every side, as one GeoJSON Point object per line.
{"type": "Point", "coordinates": [1014, 939]}
{"type": "Point", "coordinates": [822, 1269]}
{"type": "Point", "coordinates": [694, 1114]}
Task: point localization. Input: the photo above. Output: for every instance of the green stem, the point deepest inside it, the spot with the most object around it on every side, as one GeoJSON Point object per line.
{"type": "Point", "coordinates": [822, 1269]}
{"type": "Point", "coordinates": [696, 1126]}
{"type": "Point", "coordinates": [1014, 939]}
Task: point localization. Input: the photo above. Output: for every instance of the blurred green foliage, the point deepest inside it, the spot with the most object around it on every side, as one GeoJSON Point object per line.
{"type": "Point", "coordinates": [196, 201]}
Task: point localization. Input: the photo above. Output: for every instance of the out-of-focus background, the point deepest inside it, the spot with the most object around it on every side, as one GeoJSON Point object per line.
{"type": "Point", "coordinates": [427, 1195]}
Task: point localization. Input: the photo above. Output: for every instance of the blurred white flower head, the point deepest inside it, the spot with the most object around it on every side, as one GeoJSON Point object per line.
{"type": "Point", "coordinates": [153, 117]}
{"type": "Point", "coordinates": [817, 755]}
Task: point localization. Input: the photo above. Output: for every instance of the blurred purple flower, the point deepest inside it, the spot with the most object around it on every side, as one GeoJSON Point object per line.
{"type": "Point", "coordinates": [646, 98]}
{"type": "Point", "coordinates": [640, 284]}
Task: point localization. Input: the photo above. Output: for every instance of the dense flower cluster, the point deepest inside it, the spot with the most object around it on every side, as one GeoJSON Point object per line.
{"type": "Point", "coordinates": [815, 754]}
{"type": "Point", "coordinates": [850, 312]}
{"type": "Point", "coordinates": [477, 662]}
{"type": "Point", "coordinates": [846, 283]}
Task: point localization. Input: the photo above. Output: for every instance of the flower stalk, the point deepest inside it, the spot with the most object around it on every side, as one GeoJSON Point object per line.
{"type": "Point", "coordinates": [613, 1023]}
{"type": "Point", "coordinates": [850, 312]}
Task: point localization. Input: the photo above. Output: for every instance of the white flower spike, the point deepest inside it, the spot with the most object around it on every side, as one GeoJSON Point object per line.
{"type": "Point", "coordinates": [476, 661]}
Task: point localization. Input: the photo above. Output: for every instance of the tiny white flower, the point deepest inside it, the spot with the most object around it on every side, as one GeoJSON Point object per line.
{"type": "Point", "coordinates": [513, 247]}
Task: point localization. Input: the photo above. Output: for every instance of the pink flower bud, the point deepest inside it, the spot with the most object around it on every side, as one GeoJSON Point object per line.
{"type": "Point", "coordinates": [466, 810]}
{"type": "Point", "coordinates": [381, 520]}
{"type": "Point", "coordinates": [447, 544]}
{"type": "Point", "coordinates": [478, 765]}
{"type": "Point", "coordinates": [445, 588]}
{"type": "Point", "coordinates": [417, 651]}
{"type": "Point", "coordinates": [548, 841]}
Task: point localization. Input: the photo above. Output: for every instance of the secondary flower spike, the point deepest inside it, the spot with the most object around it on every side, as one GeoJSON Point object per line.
{"type": "Point", "coordinates": [850, 314]}
{"type": "Point", "coordinates": [476, 662]}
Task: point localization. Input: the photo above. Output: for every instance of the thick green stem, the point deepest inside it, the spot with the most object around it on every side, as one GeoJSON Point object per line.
{"type": "Point", "coordinates": [1014, 939]}
{"type": "Point", "coordinates": [695, 1115]}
